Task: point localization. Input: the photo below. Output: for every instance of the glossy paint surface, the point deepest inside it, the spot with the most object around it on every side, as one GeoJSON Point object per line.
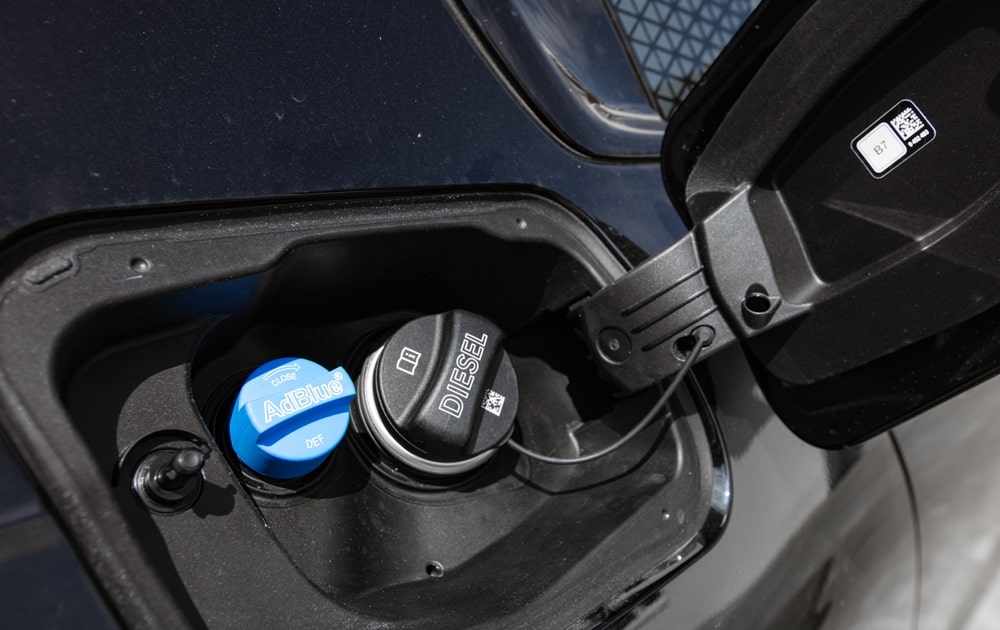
{"type": "Point", "coordinates": [110, 106]}
{"type": "Point", "coordinates": [951, 452]}
{"type": "Point", "coordinates": [815, 539]}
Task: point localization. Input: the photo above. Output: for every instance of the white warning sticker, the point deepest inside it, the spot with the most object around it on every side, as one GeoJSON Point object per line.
{"type": "Point", "coordinates": [893, 138]}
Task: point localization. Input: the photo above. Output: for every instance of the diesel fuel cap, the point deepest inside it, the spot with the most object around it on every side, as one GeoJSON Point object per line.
{"type": "Point", "coordinates": [289, 416]}
{"type": "Point", "coordinates": [441, 394]}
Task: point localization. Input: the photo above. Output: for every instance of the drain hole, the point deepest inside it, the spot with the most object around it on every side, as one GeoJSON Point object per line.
{"type": "Point", "coordinates": [758, 306]}
{"type": "Point", "coordinates": [758, 303]}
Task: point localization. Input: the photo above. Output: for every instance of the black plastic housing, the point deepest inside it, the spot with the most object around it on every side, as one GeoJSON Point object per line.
{"type": "Point", "coordinates": [134, 341]}
{"type": "Point", "coordinates": [638, 326]}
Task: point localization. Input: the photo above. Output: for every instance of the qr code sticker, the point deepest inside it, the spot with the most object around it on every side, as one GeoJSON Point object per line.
{"type": "Point", "coordinates": [493, 402]}
{"type": "Point", "coordinates": [907, 123]}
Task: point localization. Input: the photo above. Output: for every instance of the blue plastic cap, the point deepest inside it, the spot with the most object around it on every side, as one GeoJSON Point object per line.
{"type": "Point", "coordinates": [289, 416]}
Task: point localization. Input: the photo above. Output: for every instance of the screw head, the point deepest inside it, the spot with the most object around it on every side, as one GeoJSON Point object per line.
{"type": "Point", "coordinates": [614, 345]}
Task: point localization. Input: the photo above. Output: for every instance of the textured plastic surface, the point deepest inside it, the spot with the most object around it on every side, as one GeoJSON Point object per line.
{"type": "Point", "coordinates": [636, 325]}
{"type": "Point", "coordinates": [289, 416]}
{"type": "Point", "coordinates": [863, 261]}
{"type": "Point", "coordinates": [447, 387]}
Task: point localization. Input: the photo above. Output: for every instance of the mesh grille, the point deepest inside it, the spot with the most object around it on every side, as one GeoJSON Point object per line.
{"type": "Point", "coordinates": [675, 41]}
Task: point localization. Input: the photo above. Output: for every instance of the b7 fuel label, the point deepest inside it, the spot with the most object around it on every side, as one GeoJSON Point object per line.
{"type": "Point", "coordinates": [893, 138]}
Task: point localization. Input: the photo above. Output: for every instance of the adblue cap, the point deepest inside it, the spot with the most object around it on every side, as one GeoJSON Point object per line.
{"type": "Point", "coordinates": [289, 416]}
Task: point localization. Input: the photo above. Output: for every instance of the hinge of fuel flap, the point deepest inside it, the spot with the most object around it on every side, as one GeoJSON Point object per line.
{"type": "Point", "coordinates": [640, 327]}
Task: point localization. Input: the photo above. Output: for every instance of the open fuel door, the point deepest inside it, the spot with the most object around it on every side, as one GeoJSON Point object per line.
{"type": "Point", "coordinates": [845, 214]}
{"type": "Point", "coordinates": [856, 184]}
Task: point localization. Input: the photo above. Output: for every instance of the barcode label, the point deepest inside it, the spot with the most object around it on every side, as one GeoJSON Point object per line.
{"type": "Point", "coordinates": [893, 138]}
{"type": "Point", "coordinates": [907, 123]}
{"type": "Point", "coordinates": [493, 402]}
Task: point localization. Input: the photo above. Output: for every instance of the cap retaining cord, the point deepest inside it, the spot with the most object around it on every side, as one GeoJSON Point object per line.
{"type": "Point", "coordinates": [703, 336]}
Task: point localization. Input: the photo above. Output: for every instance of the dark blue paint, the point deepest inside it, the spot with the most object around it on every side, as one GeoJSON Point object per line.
{"type": "Point", "coordinates": [109, 105]}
